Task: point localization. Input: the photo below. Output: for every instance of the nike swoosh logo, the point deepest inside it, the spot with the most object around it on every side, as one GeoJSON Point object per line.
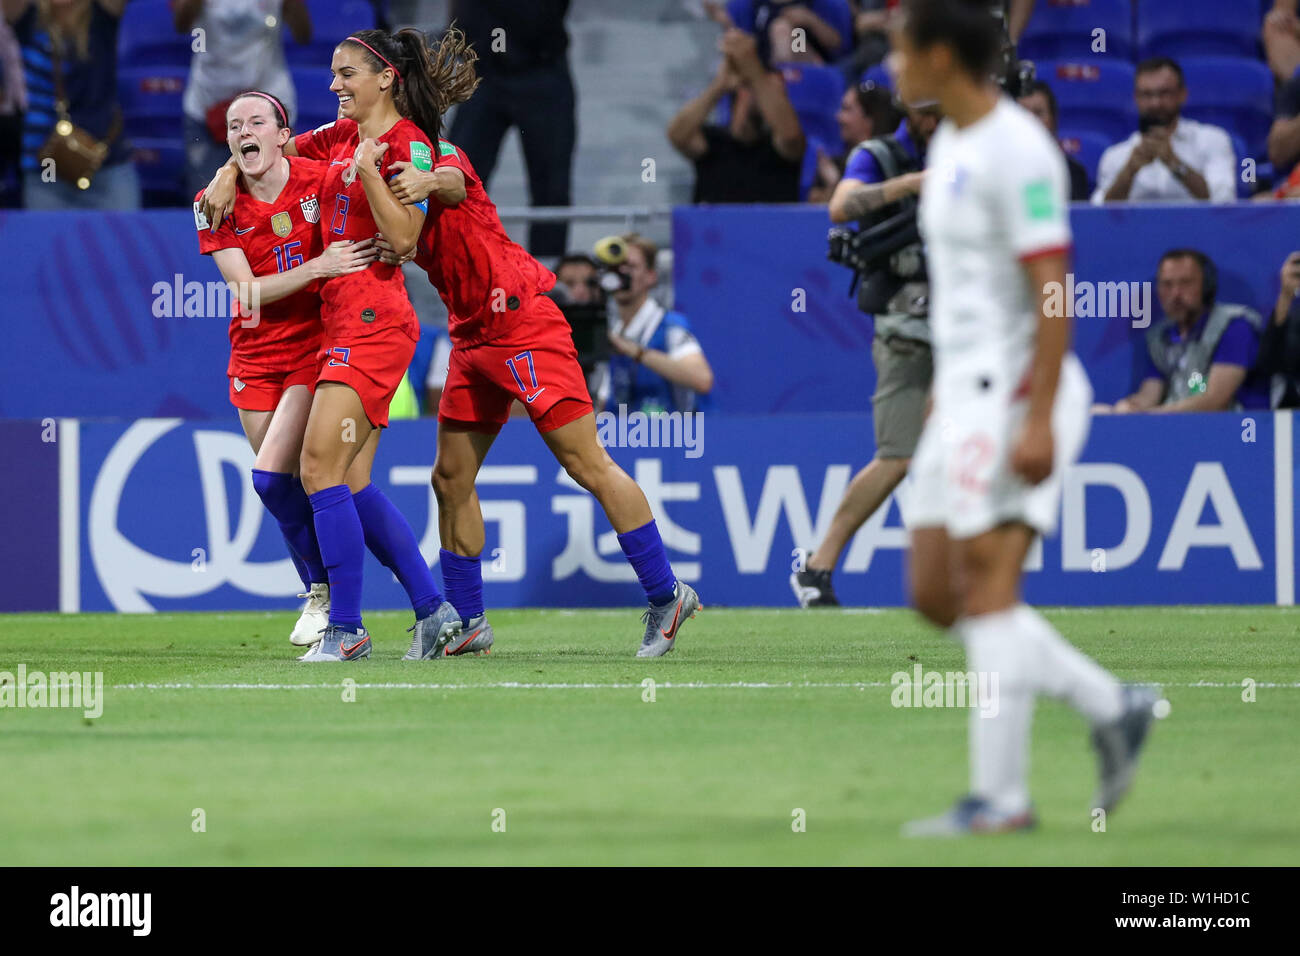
{"type": "Point", "coordinates": [338, 162]}
{"type": "Point", "coordinates": [465, 643]}
{"type": "Point", "coordinates": [240, 232]}
{"type": "Point", "coordinates": [346, 649]}
{"type": "Point", "coordinates": [668, 635]}
{"type": "Point", "coordinates": [530, 398]}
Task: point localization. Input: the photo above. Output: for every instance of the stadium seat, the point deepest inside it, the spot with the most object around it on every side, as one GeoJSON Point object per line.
{"type": "Point", "coordinates": [331, 21]}
{"type": "Point", "coordinates": [815, 93]}
{"type": "Point", "coordinates": [1231, 92]}
{"type": "Point", "coordinates": [161, 166]}
{"type": "Point", "coordinates": [316, 104]}
{"type": "Point", "coordinates": [148, 35]}
{"type": "Point", "coordinates": [1063, 29]}
{"type": "Point", "coordinates": [151, 100]}
{"type": "Point", "coordinates": [1093, 95]}
{"type": "Point", "coordinates": [1086, 146]}
{"type": "Point", "coordinates": [1179, 28]}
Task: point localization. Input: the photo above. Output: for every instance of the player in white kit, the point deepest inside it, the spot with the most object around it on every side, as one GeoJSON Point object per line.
{"type": "Point", "coordinates": [1009, 414]}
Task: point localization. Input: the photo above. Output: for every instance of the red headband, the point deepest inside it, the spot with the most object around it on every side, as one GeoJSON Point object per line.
{"type": "Point", "coordinates": [378, 54]}
{"type": "Point", "coordinates": [270, 99]}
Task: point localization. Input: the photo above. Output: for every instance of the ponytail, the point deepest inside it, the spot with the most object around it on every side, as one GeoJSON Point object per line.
{"type": "Point", "coordinates": [436, 77]}
{"type": "Point", "coordinates": [430, 79]}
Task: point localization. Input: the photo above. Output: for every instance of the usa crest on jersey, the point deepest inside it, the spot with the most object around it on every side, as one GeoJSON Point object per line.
{"type": "Point", "coordinates": [310, 209]}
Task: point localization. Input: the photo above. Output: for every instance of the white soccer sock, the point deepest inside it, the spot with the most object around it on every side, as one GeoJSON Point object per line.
{"type": "Point", "coordinates": [1061, 670]}
{"type": "Point", "coordinates": [999, 728]}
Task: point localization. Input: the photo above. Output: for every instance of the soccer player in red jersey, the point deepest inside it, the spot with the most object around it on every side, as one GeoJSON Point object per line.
{"type": "Point", "coordinates": [386, 98]}
{"type": "Point", "coordinates": [510, 341]}
{"type": "Point", "coordinates": [269, 250]}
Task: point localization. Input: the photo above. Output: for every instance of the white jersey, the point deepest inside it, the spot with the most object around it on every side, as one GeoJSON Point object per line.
{"type": "Point", "coordinates": [996, 195]}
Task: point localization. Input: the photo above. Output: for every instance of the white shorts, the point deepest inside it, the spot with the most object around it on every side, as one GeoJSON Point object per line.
{"type": "Point", "coordinates": [961, 472]}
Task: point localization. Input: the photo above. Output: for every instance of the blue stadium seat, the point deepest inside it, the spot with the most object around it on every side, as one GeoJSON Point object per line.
{"type": "Point", "coordinates": [316, 104]}
{"type": "Point", "coordinates": [1086, 146]}
{"type": "Point", "coordinates": [1093, 95]}
{"type": "Point", "coordinates": [161, 166]}
{"type": "Point", "coordinates": [1231, 92]}
{"type": "Point", "coordinates": [1179, 28]}
{"type": "Point", "coordinates": [151, 99]}
{"type": "Point", "coordinates": [1063, 29]}
{"type": "Point", "coordinates": [148, 35]}
{"type": "Point", "coordinates": [331, 21]}
{"type": "Point", "coordinates": [815, 93]}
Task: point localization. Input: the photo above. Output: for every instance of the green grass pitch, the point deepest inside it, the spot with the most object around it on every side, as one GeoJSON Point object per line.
{"type": "Point", "coordinates": [552, 729]}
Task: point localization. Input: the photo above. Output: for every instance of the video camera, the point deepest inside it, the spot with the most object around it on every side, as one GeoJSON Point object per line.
{"type": "Point", "coordinates": [885, 251]}
{"type": "Point", "coordinates": [589, 320]}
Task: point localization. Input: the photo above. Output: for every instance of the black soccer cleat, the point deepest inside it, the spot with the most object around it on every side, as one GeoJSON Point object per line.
{"type": "Point", "coordinates": [813, 588]}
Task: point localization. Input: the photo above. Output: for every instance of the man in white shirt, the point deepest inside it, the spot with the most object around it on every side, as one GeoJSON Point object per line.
{"type": "Point", "coordinates": [1009, 415]}
{"type": "Point", "coordinates": [1170, 157]}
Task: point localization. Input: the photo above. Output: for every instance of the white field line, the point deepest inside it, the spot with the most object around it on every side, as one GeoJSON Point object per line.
{"type": "Point", "coordinates": [659, 685]}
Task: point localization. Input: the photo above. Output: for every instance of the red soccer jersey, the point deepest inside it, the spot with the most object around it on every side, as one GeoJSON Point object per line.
{"type": "Point", "coordinates": [377, 296]}
{"type": "Point", "coordinates": [485, 279]}
{"type": "Point", "coordinates": [275, 237]}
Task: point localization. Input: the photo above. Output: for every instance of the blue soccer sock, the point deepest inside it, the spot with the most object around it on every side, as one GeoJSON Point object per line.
{"type": "Point", "coordinates": [390, 539]}
{"type": "Point", "coordinates": [464, 580]}
{"type": "Point", "coordinates": [645, 552]}
{"type": "Point", "coordinates": [298, 564]}
{"type": "Point", "coordinates": [342, 547]}
{"type": "Point", "coordinates": [287, 502]}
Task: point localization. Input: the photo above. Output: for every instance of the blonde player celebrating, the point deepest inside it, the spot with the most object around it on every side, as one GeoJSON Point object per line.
{"type": "Point", "coordinates": [1009, 414]}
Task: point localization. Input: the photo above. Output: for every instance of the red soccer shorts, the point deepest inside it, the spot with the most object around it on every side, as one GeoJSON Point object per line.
{"type": "Point", "coordinates": [261, 391]}
{"type": "Point", "coordinates": [535, 362]}
{"type": "Point", "coordinates": [373, 365]}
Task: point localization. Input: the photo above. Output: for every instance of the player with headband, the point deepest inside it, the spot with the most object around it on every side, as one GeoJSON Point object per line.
{"type": "Point", "coordinates": [370, 331]}
{"type": "Point", "coordinates": [270, 252]}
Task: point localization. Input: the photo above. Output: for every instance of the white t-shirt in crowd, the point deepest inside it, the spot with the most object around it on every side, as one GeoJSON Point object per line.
{"type": "Point", "coordinates": [1204, 148]}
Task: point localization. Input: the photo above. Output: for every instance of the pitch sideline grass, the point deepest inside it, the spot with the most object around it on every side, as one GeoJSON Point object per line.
{"type": "Point", "coordinates": [292, 774]}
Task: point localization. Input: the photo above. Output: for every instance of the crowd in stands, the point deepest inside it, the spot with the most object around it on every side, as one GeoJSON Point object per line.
{"type": "Point", "coordinates": [1150, 100]}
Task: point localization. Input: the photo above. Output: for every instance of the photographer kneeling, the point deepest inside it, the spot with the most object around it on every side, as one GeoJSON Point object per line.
{"type": "Point", "coordinates": [881, 181]}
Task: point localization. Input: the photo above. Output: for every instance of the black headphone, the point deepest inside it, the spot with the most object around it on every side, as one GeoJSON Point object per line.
{"type": "Point", "coordinates": [1209, 273]}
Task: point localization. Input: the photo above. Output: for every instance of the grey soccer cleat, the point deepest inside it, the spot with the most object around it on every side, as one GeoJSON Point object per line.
{"type": "Point", "coordinates": [1119, 743]}
{"type": "Point", "coordinates": [432, 633]}
{"type": "Point", "coordinates": [339, 644]}
{"type": "Point", "coordinates": [663, 622]}
{"type": "Point", "coordinates": [475, 638]}
{"type": "Point", "coordinates": [970, 815]}
{"type": "Point", "coordinates": [813, 588]}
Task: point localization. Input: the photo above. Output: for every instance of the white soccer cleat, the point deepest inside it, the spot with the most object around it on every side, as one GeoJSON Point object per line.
{"type": "Point", "coordinates": [315, 616]}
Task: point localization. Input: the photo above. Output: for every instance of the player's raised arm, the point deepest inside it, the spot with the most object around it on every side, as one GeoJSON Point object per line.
{"type": "Point", "coordinates": [446, 184]}
{"type": "Point", "coordinates": [399, 223]}
{"type": "Point", "coordinates": [339, 258]}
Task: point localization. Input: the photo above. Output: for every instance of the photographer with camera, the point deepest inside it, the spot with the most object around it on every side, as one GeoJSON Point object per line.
{"type": "Point", "coordinates": [881, 182]}
{"type": "Point", "coordinates": [655, 363]}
